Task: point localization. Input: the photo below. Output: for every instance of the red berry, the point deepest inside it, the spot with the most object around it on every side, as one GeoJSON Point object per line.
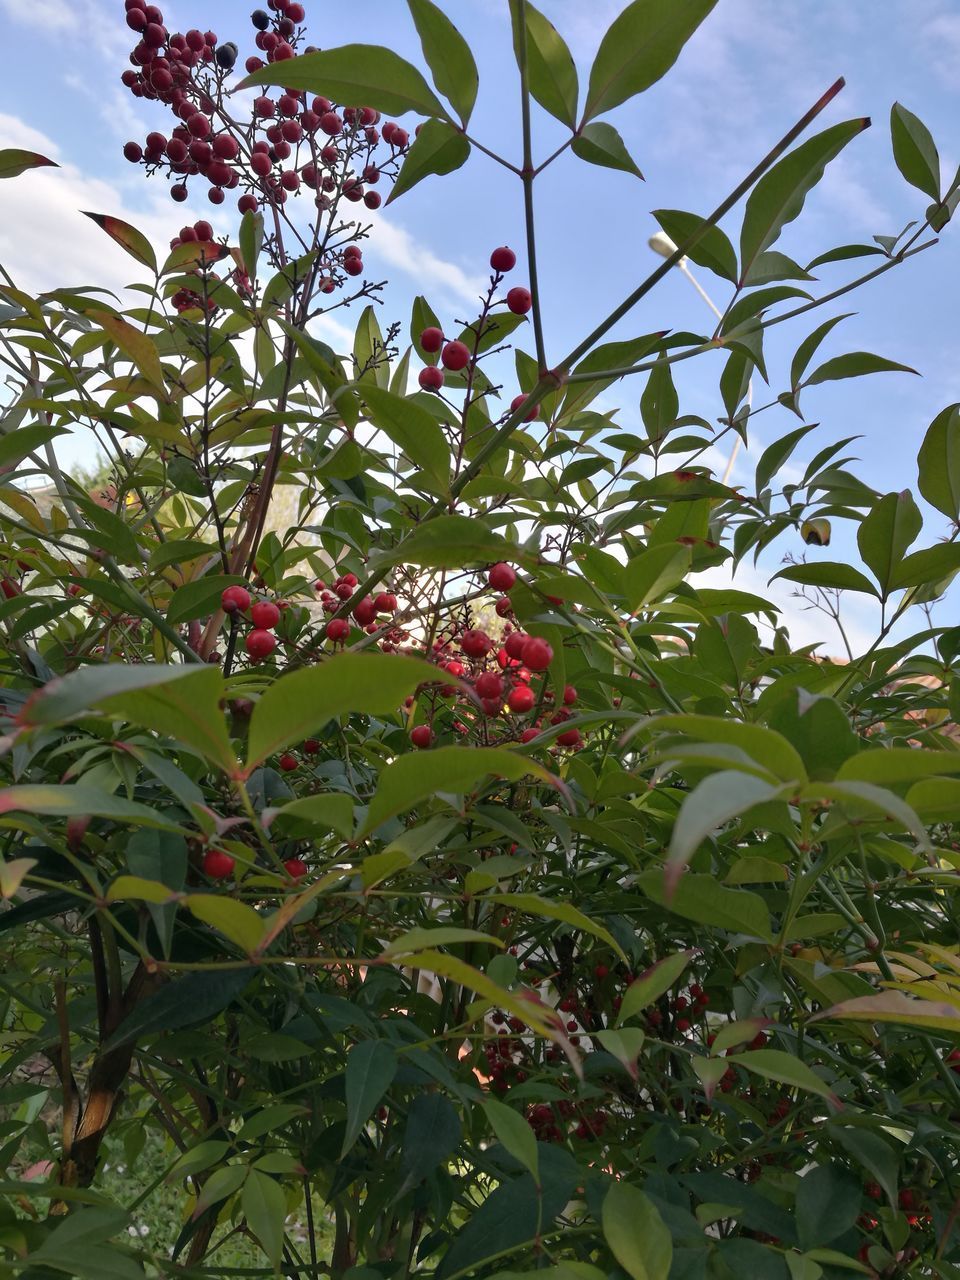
{"type": "Point", "coordinates": [178, 193]}
{"type": "Point", "coordinates": [311, 747]}
{"type": "Point", "coordinates": [353, 266]}
{"type": "Point", "coordinates": [475, 644]}
{"type": "Point", "coordinates": [431, 339]}
{"type": "Point", "coordinates": [503, 259]}
{"type": "Point", "coordinates": [136, 19]}
{"type": "Point", "coordinates": [235, 600]}
{"type": "Point", "coordinates": [489, 685]}
{"type": "Point", "coordinates": [265, 614]}
{"type": "Point", "coordinates": [501, 577]}
{"type": "Point", "coordinates": [503, 607]}
{"type": "Point", "coordinates": [225, 146]}
{"type": "Point", "coordinates": [288, 762]}
{"type": "Point", "coordinates": [365, 612]}
{"type": "Point", "coordinates": [521, 699]}
{"type": "Point", "coordinates": [295, 12]}
{"type": "Point", "coordinates": [528, 735]}
{"type": "Point", "coordinates": [386, 602]}
{"type": "Point", "coordinates": [261, 164]}
{"type": "Point", "coordinates": [514, 644]}
{"type": "Point", "coordinates": [569, 738]}
{"type": "Point", "coordinates": [536, 654]}
{"type": "Point", "coordinates": [455, 356]}
{"type": "Point", "coordinates": [569, 698]}
{"type": "Point", "coordinates": [133, 152]}
{"type": "Point", "coordinates": [199, 125]}
{"type": "Point", "coordinates": [217, 864]}
{"type": "Point", "coordinates": [260, 644]}
{"type": "Point", "coordinates": [338, 629]}
{"type": "Point", "coordinates": [519, 300]}
{"type": "Point", "coordinates": [421, 736]}
{"type": "Point", "coordinates": [518, 401]}
{"type": "Point", "coordinates": [264, 107]}
{"type": "Point", "coordinates": [600, 972]}
{"type": "Point", "coordinates": [295, 868]}
{"type": "Point", "coordinates": [431, 378]}
{"type": "Point", "coordinates": [331, 124]}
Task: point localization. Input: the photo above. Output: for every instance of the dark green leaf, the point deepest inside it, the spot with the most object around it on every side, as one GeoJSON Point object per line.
{"type": "Point", "coordinates": [251, 241]}
{"type": "Point", "coordinates": [15, 445]}
{"type": "Point", "coordinates": [930, 567]}
{"type": "Point", "coordinates": [414, 430]}
{"type": "Point", "coordinates": [884, 536]}
{"type": "Point", "coordinates": [354, 73]}
{"type": "Point", "coordinates": [713, 250]}
{"type": "Point", "coordinates": [701, 899]}
{"type": "Point", "coordinates": [828, 1204]}
{"type": "Point", "coordinates": [371, 1066]}
{"type": "Point", "coordinates": [776, 454]}
{"type": "Point", "coordinates": [192, 1000]}
{"type": "Point", "coordinates": [939, 463]}
{"type": "Point", "coordinates": [830, 574]}
{"type": "Point", "coordinates": [264, 1206]}
{"type": "Point", "coordinates": [915, 151]}
{"type": "Point", "coordinates": [440, 147]}
{"type": "Point", "coordinates": [854, 365]}
{"type": "Point", "coordinates": [432, 1134]}
{"type": "Point", "coordinates": [640, 47]}
{"type": "Point", "coordinates": [551, 72]}
{"type": "Point", "coordinates": [600, 144]}
{"type": "Point", "coordinates": [779, 195]}
{"type": "Point", "coordinates": [448, 56]}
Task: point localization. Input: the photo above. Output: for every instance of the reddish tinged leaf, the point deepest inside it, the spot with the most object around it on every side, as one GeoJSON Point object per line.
{"type": "Point", "coordinates": [134, 241]}
{"type": "Point", "coordinates": [898, 1007]}
{"type": "Point", "coordinates": [13, 162]}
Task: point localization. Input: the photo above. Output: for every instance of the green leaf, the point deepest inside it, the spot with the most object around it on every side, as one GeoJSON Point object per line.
{"type": "Point", "coordinates": [235, 920]}
{"type": "Point", "coordinates": [194, 999]}
{"type": "Point", "coordinates": [930, 566]}
{"type": "Point", "coordinates": [15, 445]}
{"type": "Point", "coordinates": [886, 533]}
{"type": "Point", "coordinates": [13, 162]}
{"type": "Point", "coordinates": [828, 1204]}
{"type": "Point", "coordinates": [221, 1185]}
{"type": "Point", "coordinates": [417, 776]}
{"type": "Point", "coordinates": [371, 1066]}
{"type": "Point", "coordinates": [299, 704]}
{"type": "Point", "coordinates": [710, 805]}
{"type": "Point", "coordinates": [251, 241]}
{"type": "Point", "coordinates": [551, 71]}
{"type": "Point", "coordinates": [414, 430]}
{"type": "Point", "coordinates": [432, 1134]}
{"type": "Point", "coordinates": [636, 1234]}
{"type": "Point", "coordinates": [550, 909]}
{"type": "Point", "coordinates": [713, 250]}
{"type": "Point", "coordinates": [640, 47]}
{"type": "Point", "coordinates": [915, 151]}
{"type": "Point", "coordinates": [264, 1206]}
{"type": "Point", "coordinates": [654, 573]}
{"type": "Point", "coordinates": [354, 73]}
{"type": "Point", "coordinates": [939, 463]}
{"type": "Point", "coordinates": [828, 573]}
{"type": "Point", "coordinates": [12, 874]}
{"type": "Point", "coordinates": [601, 144]}
{"type": "Point", "coordinates": [439, 147]}
{"type": "Point", "coordinates": [701, 899]}
{"type": "Point", "coordinates": [808, 346]}
{"type": "Point", "coordinates": [659, 404]}
{"type": "Point", "coordinates": [129, 238]}
{"type": "Point", "coordinates": [779, 195]}
{"type": "Point", "coordinates": [414, 940]}
{"type": "Point", "coordinates": [80, 800]}
{"type": "Point", "coordinates": [514, 1134]}
{"type": "Point", "coordinates": [767, 747]}
{"type": "Point", "coordinates": [872, 1152]}
{"type": "Point", "coordinates": [624, 1045]}
{"type": "Point", "coordinates": [610, 355]}
{"type": "Point", "coordinates": [775, 266]}
{"type": "Point", "coordinates": [138, 889]}
{"type": "Point", "coordinates": [776, 454]}
{"type": "Point", "coordinates": [452, 542]}
{"type": "Point", "coordinates": [864, 796]}
{"type": "Point", "coordinates": [774, 1064]}
{"type": "Point", "coordinates": [80, 1230]}
{"type": "Point", "coordinates": [199, 598]}
{"type": "Point", "coordinates": [331, 811]}
{"type": "Point", "coordinates": [649, 986]}
{"type": "Point", "coordinates": [448, 56]}
{"type": "Point", "coordinates": [854, 365]}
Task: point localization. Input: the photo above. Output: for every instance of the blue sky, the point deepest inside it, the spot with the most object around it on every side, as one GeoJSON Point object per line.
{"type": "Point", "coordinates": [750, 71]}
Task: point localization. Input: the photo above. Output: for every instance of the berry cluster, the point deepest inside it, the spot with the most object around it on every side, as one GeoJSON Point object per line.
{"type": "Point", "coordinates": [290, 141]}
{"type": "Point", "coordinates": [455, 355]}
{"type": "Point", "coordinates": [260, 641]}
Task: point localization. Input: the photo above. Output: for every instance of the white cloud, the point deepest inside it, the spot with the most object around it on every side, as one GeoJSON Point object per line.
{"type": "Point", "coordinates": [400, 249]}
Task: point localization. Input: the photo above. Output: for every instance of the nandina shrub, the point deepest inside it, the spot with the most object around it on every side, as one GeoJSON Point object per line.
{"type": "Point", "coordinates": [448, 882]}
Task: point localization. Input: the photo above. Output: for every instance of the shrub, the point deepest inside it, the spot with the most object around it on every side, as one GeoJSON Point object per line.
{"type": "Point", "coordinates": [448, 867]}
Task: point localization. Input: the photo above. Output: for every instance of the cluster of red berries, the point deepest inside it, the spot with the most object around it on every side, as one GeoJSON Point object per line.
{"type": "Point", "coordinates": [306, 141]}
{"type": "Point", "coordinates": [455, 355]}
{"type": "Point", "coordinates": [684, 1008]}
{"type": "Point", "coordinates": [217, 864]}
{"type": "Point", "coordinates": [548, 1121]}
{"type": "Point", "coordinates": [260, 641]}
{"type": "Point", "coordinates": [365, 612]}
